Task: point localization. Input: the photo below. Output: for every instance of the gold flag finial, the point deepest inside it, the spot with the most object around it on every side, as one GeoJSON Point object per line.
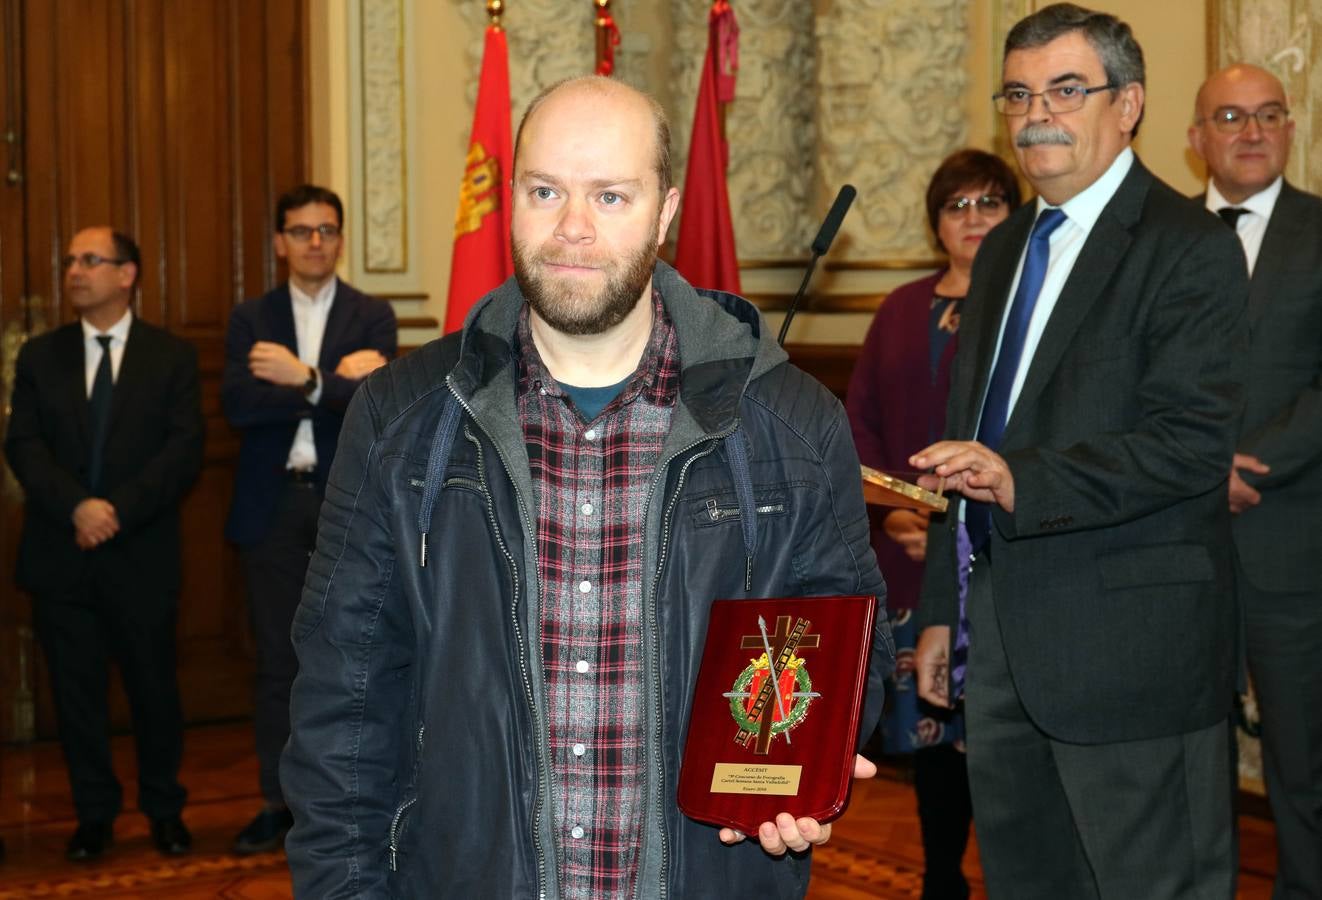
{"type": "Point", "coordinates": [495, 9]}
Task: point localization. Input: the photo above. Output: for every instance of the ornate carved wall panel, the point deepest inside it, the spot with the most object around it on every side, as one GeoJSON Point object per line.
{"type": "Point", "coordinates": [890, 107]}
{"type": "Point", "coordinates": [384, 137]}
{"type": "Point", "coordinates": [770, 125]}
{"type": "Point", "coordinates": [867, 92]}
{"type": "Point", "coordinates": [537, 59]}
{"type": "Point", "coordinates": [1285, 37]}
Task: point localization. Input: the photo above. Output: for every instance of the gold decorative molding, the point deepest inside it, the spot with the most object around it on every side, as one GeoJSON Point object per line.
{"type": "Point", "coordinates": [384, 136]}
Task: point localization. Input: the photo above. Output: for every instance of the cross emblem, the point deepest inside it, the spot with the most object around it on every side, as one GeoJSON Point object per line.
{"type": "Point", "coordinates": [783, 643]}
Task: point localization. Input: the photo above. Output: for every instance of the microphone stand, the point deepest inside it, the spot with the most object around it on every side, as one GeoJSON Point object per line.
{"type": "Point", "coordinates": [822, 243]}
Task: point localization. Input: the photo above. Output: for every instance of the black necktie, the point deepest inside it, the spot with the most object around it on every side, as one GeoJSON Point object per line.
{"type": "Point", "coordinates": [1230, 215]}
{"type": "Point", "coordinates": [98, 413]}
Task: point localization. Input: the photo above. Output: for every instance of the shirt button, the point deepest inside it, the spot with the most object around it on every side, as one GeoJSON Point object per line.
{"type": "Point", "coordinates": [584, 587]}
{"type": "Point", "coordinates": [590, 434]}
{"type": "Point", "coordinates": [577, 831]}
{"type": "Point", "coordinates": [579, 749]}
{"type": "Point", "coordinates": [582, 666]}
{"type": "Point", "coordinates": [586, 509]}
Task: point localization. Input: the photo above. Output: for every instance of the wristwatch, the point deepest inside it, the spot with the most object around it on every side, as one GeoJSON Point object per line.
{"type": "Point", "coordinates": [314, 379]}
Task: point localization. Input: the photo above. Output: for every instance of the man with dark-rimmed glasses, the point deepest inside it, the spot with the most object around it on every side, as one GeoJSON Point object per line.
{"type": "Point", "coordinates": [293, 358]}
{"type": "Point", "coordinates": [106, 437]}
{"type": "Point", "coordinates": [1091, 422]}
{"type": "Point", "coordinates": [1242, 129]}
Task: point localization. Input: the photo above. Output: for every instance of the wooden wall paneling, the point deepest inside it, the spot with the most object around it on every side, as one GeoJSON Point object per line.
{"type": "Point", "coordinates": [179, 122]}
{"type": "Point", "coordinates": [145, 152]}
{"type": "Point", "coordinates": [199, 175]}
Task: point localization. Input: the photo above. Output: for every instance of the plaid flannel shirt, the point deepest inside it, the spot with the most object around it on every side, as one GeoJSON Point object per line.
{"type": "Point", "coordinates": [591, 482]}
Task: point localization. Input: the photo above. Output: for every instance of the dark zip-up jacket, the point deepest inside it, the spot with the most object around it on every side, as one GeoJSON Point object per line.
{"type": "Point", "coordinates": [417, 764]}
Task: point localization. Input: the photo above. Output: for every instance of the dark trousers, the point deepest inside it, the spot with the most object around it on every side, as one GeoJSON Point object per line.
{"type": "Point", "coordinates": [1284, 643]}
{"type": "Point", "coordinates": [81, 632]}
{"type": "Point", "coordinates": [945, 811]}
{"type": "Point", "coordinates": [274, 568]}
{"type": "Point", "coordinates": [1149, 818]}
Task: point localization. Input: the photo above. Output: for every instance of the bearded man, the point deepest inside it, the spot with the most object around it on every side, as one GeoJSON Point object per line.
{"type": "Point", "coordinates": [502, 624]}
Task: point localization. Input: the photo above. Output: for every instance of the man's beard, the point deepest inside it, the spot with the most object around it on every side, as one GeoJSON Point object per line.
{"type": "Point", "coordinates": [570, 308]}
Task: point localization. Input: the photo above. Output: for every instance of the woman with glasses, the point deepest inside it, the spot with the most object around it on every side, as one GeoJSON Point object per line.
{"type": "Point", "coordinates": [896, 405]}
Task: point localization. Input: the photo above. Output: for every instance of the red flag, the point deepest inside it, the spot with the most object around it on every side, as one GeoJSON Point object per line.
{"type": "Point", "coordinates": [481, 259]}
{"type": "Point", "coordinates": [705, 251]}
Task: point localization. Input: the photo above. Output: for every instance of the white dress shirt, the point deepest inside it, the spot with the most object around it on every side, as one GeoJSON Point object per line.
{"type": "Point", "coordinates": [1253, 225]}
{"type": "Point", "coordinates": [119, 336]}
{"type": "Point", "coordinates": [1081, 211]}
{"type": "Point", "coordinates": [310, 315]}
{"type": "Point", "coordinates": [1081, 214]}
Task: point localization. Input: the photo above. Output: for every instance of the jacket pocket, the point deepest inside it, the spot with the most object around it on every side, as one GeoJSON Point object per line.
{"type": "Point", "coordinates": [1158, 564]}
{"type": "Point", "coordinates": [718, 509]}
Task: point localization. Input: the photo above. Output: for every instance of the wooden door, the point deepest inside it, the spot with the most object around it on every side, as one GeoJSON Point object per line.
{"type": "Point", "coordinates": [178, 123]}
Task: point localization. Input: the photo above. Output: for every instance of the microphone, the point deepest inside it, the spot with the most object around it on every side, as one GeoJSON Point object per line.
{"type": "Point", "coordinates": [820, 244]}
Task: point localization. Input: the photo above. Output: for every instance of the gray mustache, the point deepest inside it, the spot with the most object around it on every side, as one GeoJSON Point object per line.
{"type": "Point", "coordinates": [1034, 135]}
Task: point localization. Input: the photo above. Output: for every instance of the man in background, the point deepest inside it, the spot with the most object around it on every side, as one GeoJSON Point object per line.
{"type": "Point", "coordinates": [293, 358]}
{"type": "Point", "coordinates": [1242, 130]}
{"type": "Point", "coordinates": [1091, 424]}
{"type": "Point", "coordinates": [106, 437]}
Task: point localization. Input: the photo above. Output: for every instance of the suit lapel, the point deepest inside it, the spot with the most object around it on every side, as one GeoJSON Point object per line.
{"type": "Point", "coordinates": [132, 370]}
{"type": "Point", "coordinates": [1107, 244]}
{"type": "Point", "coordinates": [1272, 255]}
{"type": "Point", "coordinates": [341, 314]}
{"type": "Point", "coordinates": [73, 372]}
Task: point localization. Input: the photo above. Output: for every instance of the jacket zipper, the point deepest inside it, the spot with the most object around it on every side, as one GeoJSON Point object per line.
{"type": "Point", "coordinates": [543, 774]}
{"type": "Point", "coordinates": [403, 807]}
{"type": "Point", "coordinates": [656, 633]}
{"type": "Point", "coordinates": [716, 513]}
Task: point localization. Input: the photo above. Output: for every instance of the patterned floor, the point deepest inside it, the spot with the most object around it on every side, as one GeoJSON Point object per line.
{"type": "Point", "coordinates": [874, 851]}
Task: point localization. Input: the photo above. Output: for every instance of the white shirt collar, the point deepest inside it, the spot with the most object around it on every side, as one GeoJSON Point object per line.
{"type": "Point", "coordinates": [1262, 203]}
{"type": "Point", "coordinates": [1085, 207]}
{"type": "Point", "coordinates": [119, 332]}
{"type": "Point", "coordinates": [325, 293]}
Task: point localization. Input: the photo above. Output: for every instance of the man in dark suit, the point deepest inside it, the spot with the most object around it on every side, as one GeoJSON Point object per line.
{"type": "Point", "coordinates": [106, 437]}
{"type": "Point", "coordinates": [1091, 423]}
{"type": "Point", "coordinates": [293, 358]}
{"type": "Point", "coordinates": [1242, 129]}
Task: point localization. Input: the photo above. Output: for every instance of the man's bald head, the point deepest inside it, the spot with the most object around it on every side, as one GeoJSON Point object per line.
{"type": "Point", "coordinates": [1242, 130]}
{"type": "Point", "coordinates": [611, 89]}
{"type": "Point", "coordinates": [1234, 79]}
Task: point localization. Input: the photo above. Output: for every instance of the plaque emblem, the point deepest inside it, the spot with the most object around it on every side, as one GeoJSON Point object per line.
{"type": "Point", "coordinates": [771, 696]}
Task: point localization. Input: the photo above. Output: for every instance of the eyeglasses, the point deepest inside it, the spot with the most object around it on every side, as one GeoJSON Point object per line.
{"type": "Point", "coordinates": [961, 206]}
{"type": "Point", "coordinates": [1233, 120]}
{"type": "Point", "coordinates": [1063, 98]}
{"type": "Point", "coordinates": [303, 233]}
{"type": "Point", "coordinates": [89, 261]}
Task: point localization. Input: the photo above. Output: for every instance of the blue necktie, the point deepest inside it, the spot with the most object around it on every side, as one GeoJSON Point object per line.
{"type": "Point", "coordinates": [98, 413]}
{"type": "Point", "coordinates": [995, 409]}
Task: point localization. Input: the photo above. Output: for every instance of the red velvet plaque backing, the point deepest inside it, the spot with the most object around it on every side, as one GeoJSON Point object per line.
{"type": "Point", "coordinates": [751, 755]}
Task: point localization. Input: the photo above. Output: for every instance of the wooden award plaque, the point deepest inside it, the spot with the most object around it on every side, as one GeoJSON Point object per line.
{"type": "Point", "coordinates": [757, 745]}
{"type": "Point", "coordinates": [881, 489]}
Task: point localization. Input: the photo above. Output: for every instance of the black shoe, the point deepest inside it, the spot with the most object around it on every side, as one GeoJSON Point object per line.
{"type": "Point", "coordinates": [170, 836]}
{"type": "Point", "coordinates": [265, 832]}
{"type": "Point", "coordinates": [90, 841]}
